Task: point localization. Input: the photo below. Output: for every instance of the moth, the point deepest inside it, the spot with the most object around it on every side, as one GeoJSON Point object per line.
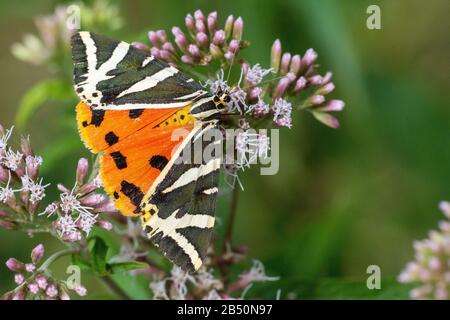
{"type": "Point", "coordinates": [131, 103]}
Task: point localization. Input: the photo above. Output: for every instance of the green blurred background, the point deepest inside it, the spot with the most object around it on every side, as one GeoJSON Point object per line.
{"type": "Point", "coordinates": [343, 199]}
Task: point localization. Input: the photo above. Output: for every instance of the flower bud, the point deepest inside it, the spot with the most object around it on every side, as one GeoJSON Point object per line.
{"type": "Point", "coordinates": [194, 50]}
{"type": "Point", "coordinates": [332, 105]}
{"type": "Point", "coordinates": [162, 36]}
{"type": "Point", "coordinates": [19, 278]}
{"type": "Point", "coordinates": [300, 84]}
{"type": "Point", "coordinates": [187, 59]}
{"type": "Point", "coordinates": [140, 46]}
{"type": "Point", "coordinates": [316, 100]}
{"type": "Point", "coordinates": [20, 294]}
{"type": "Point", "coordinates": [200, 26]}
{"type": "Point", "coordinates": [281, 87]}
{"type": "Point", "coordinates": [327, 77]}
{"type": "Point", "coordinates": [82, 170]}
{"type": "Point", "coordinates": [42, 281]}
{"type": "Point", "coordinates": [198, 15]}
{"type": "Point", "coordinates": [33, 288]}
{"type": "Point", "coordinates": [168, 46]}
{"type": "Point", "coordinates": [295, 64]}
{"type": "Point", "coordinates": [15, 265]}
{"type": "Point", "coordinates": [190, 23]}
{"type": "Point", "coordinates": [212, 22]}
{"type": "Point", "coordinates": [202, 39]}
{"type": "Point", "coordinates": [215, 51]}
{"type": "Point", "coordinates": [234, 46]}
{"type": "Point", "coordinates": [37, 253]}
{"type": "Point", "coordinates": [275, 56]}
{"type": "Point", "coordinates": [285, 61]}
{"type": "Point", "coordinates": [93, 199]}
{"type": "Point", "coordinates": [219, 37]}
{"type": "Point", "coordinates": [327, 119]}
{"type": "Point", "coordinates": [80, 290]}
{"type": "Point", "coordinates": [62, 188]}
{"type": "Point", "coordinates": [309, 57]}
{"type": "Point", "coordinates": [30, 267]}
{"type": "Point", "coordinates": [25, 146]}
{"type": "Point", "coordinates": [154, 51]}
{"type": "Point", "coordinates": [229, 26]}
{"type": "Point", "coordinates": [105, 224]}
{"type": "Point", "coordinates": [255, 93]}
{"type": "Point", "coordinates": [326, 89]}
{"type": "Point", "coordinates": [315, 80]}
{"type": "Point", "coordinates": [106, 207]}
{"type": "Point", "coordinates": [238, 28]}
{"type": "Point", "coordinates": [4, 174]}
{"type": "Point", "coordinates": [180, 38]}
{"type": "Point", "coordinates": [52, 291]}
{"type": "Point", "coordinates": [154, 39]}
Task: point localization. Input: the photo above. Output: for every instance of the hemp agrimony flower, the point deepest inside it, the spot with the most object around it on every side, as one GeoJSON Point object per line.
{"type": "Point", "coordinates": [431, 270]}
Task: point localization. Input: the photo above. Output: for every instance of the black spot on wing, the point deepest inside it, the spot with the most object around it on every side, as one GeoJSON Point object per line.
{"type": "Point", "coordinates": [158, 162]}
{"type": "Point", "coordinates": [111, 138]}
{"type": "Point", "coordinates": [119, 159]}
{"type": "Point", "coordinates": [132, 191]}
{"type": "Point", "coordinates": [116, 195]}
{"type": "Point", "coordinates": [97, 117]}
{"type": "Point", "coordinates": [135, 113]}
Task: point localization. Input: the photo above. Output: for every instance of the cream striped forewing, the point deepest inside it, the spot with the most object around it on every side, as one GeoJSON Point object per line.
{"type": "Point", "coordinates": [114, 75]}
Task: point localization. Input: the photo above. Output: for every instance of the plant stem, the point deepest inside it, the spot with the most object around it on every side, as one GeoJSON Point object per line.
{"type": "Point", "coordinates": [54, 257]}
{"type": "Point", "coordinates": [109, 282]}
{"type": "Point", "coordinates": [231, 217]}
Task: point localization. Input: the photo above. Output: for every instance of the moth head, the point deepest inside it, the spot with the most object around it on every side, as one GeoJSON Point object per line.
{"type": "Point", "coordinates": [221, 99]}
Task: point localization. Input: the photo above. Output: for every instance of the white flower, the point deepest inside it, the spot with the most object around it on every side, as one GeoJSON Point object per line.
{"type": "Point", "coordinates": [65, 225]}
{"type": "Point", "coordinates": [237, 101]}
{"type": "Point", "coordinates": [50, 209]}
{"type": "Point", "coordinates": [256, 74]}
{"type": "Point", "coordinates": [4, 140]}
{"type": "Point", "coordinates": [86, 222]}
{"type": "Point", "coordinates": [70, 202]}
{"type": "Point", "coordinates": [217, 84]}
{"type": "Point", "coordinates": [282, 110]}
{"type": "Point", "coordinates": [33, 161]}
{"type": "Point", "coordinates": [179, 279]}
{"type": "Point", "coordinates": [159, 290]}
{"type": "Point", "coordinates": [206, 281]}
{"type": "Point", "coordinates": [257, 273]}
{"type": "Point", "coordinates": [12, 159]}
{"type": "Point", "coordinates": [259, 109]}
{"type": "Point", "coordinates": [250, 146]}
{"type": "Point", "coordinates": [36, 189]}
{"type": "Point", "coordinates": [7, 193]}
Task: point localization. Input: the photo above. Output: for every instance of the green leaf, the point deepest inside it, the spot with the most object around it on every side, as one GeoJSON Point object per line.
{"type": "Point", "coordinates": [53, 89]}
{"type": "Point", "coordinates": [127, 266]}
{"type": "Point", "coordinates": [99, 250]}
{"type": "Point", "coordinates": [82, 262]}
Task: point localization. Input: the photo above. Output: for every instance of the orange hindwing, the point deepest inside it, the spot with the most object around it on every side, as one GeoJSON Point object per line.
{"type": "Point", "coordinates": [136, 145]}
